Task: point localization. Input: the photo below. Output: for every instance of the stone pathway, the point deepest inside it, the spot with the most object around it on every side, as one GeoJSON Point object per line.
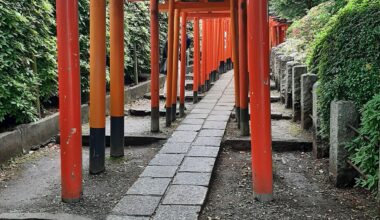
{"type": "Point", "coordinates": [175, 183]}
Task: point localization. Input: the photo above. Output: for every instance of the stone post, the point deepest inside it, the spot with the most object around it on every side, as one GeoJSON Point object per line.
{"type": "Point", "coordinates": [277, 70]}
{"type": "Point", "coordinates": [296, 90]}
{"type": "Point", "coordinates": [289, 82]}
{"type": "Point", "coordinates": [320, 146]}
{"type": "Point", "coordinates": [284, 60]}
{"type": "Point", "coordinates": [342, 113]}
{"type": "Point", "coordinates": [307, 82]}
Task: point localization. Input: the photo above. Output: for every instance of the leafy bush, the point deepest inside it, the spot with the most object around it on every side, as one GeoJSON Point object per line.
{"type": "Point", "coordinates": [292, 9]}
{"type": "Point", "coordinates": [27, 67]}
{"type": "Point", "coordinates": [365, 154]}
{"type": "Point", "coordinates": [346, 57]}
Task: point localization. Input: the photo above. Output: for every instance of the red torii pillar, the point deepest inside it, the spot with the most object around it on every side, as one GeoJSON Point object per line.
{"type": "Point", "coordinates": [183, 66]}
{"type": "Point", "coordinates": [261, 142]}
{"type": "Point", "coordinates": [154, 69]}
{"type": "Point", "coordinates": [69, 100]}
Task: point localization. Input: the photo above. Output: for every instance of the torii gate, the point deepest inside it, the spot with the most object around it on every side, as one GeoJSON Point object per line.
{"type": "Point", "coordinates": [253, 57]}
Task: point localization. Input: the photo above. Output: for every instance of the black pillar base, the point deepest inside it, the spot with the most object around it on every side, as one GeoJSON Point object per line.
{"type": "Point", "coordinates": [174, 112]}
{"type": "Point", "coordinates": [181, 110]}
{"type": "Point", "coordinates": [244, 122]}
{"type": "Point", "coordinates": [237, 113]}
{"type": "Point", "coordinates": [97, 150]}
{"type": "Point", "coordinates": [155, 119]}
{"type": "Point", "coordinates": [195, 97]}
{"type": "Point", "coordinates": [117, 136]}
{"type": "Point", "coordinates": [168, 116]}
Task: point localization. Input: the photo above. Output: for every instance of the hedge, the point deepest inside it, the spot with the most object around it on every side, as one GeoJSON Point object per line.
{"type": "Point", "coordinates": [346, 57]}
{"type": "Point", "coordinates": [365, 151]}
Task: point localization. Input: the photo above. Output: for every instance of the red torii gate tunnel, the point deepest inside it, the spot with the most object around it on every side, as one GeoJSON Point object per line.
{"type": "Point", "coordinates": [225, 31]}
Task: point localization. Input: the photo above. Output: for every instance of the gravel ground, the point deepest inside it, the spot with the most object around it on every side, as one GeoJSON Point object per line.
{"type": "Point", "coordinates": [32, 184]}
{"type": "Point", "coordinates": [301, 191]}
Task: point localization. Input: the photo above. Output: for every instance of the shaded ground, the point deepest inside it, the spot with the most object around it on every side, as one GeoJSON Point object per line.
{"type": "Point", "coordinates": [301, 186]}
{"type": "Point", "coordinates": [32, 183]}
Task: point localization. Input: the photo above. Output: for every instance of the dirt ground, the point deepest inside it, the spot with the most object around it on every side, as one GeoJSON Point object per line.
{"type": "Point", "coordinates": [301, 191]}
{"type": "Point", "coordinates": [32, 184]}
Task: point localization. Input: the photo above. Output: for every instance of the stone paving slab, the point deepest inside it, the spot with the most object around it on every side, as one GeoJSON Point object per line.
{"type": "Point", "coordinates": [185, 195]}
{"type": "Point", "coordinates": [137, 205]}
{"type": "Point", "coordinates": [159, 171]}
{"type": "Point", "coordinates": [175, 148]}
{"type": "Point", "coordinates": [167, 160]}
{"type": "Point", "coordinates": [177, 212]}
{"type": "Point", "coordinates": [215, 124]}
{"type": "Point", "coordinates": [203, 151]}
{"type": "Point", "coordinates": [179, 175]}
{"type": "Point", "coordinates": [211, 133]}
{"type": "Point", "coordinates": [149, 186]}
{"type": "Point", "coordinates": [208, 141]}
{"type": "Point", "coordinates": [197, 164]}
{"type": "Point", "coordinates": [188, 178]}
{"type": "Point", "coordinates": [117, 217]}
{"type": "Point", "coordinates": [184, 136]}
{"type": "Point", "coordinates": [187, 127]}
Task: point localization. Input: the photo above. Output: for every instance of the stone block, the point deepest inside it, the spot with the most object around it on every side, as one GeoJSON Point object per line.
{"type": "Point", "coordinates": [177, 212]}
{"type": "Point", "coordinates": [297, 72]}
{"type": "Point", "coordinates": [187, 127]}
{"type": "Point", "coordinates": [288, 83]}
{"type": "Point", "coordinates": [277, 70]}
{"type": "Point", "coordinates": [149, 186]}
{"type": "Point", "coordinates": [185, 195]}
{"type": "Point", "coordinates": [342, 113]}
{"type": "Point", "coordinates": [126, 217]}
{"type": "Point", "coordinates": [198, 164]}
{"type": "Point", "coordinates": [167, 160]}
{"type": "Point", "coordinates": [159, 171]}
{"type": "Point", "coordinates": [220, 118]}
{"type": "Point", "coordinates": [183, 136]}
{"type": "Point", "coordinates": [221, 125]}
{"type": "Point", "coordinates": [320, 147]}
{"type": "Point", "coordinates": [203, 151]}
{"type": "Point", "coordinates": [208, 141]}
{"type": "Point", "coordinates": [193, 121]}
{"type": "Point", "coordinates": [136, 205]}
{"type": "Point", "coordinates": [307, 82]}
{"type": "Point", "coordinates": [200, 111]}
{"type": "Point", "coordinates": [175, 148]}
{"type": "Point", "coordinates": [284, 60]}
{"type": "Point", "coordinates": [197, 115]}
{"type": "Point", "coordinates": [211, 133]}
{"type": "Point", "coordinates": [198, 179]}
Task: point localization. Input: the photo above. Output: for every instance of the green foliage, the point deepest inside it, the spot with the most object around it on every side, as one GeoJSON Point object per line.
{"type": "Point", "coordinates": [364, 153]}
{"type": "Point", "coordinates": [292, 9]}
{"type": "Point", "coordinates": [346, 57]}
{"type": "Point", "coordinates": [27, 67]}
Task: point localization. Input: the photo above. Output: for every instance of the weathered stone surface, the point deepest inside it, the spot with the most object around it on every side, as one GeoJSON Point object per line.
{"type": "Point", "coordinates": [185, 195]}
{"type": "Point", "coordinates": [211, 133]}
{"type": "Point", "coordinates": [200, 111]}
{"type": "Point", "coordinates": [224, 108]}
{"type": "Point", "coordinates": [342, 114]}
{"type": "Point", "coordinates": [307, 82]}
{"type": "Point", "coordinates": [159, 171]}
{"type": "Point", "coordinates": [217, 112]}
{"type": "Point", "coordinates": [284, 60]}
{"type": "Point", "coordinates": [203, 151]}
{"type": "Point", "coordinates": [177, 212]}
{"type": "Point", "coordinates": [288, 83]}
{"type": "Point", "coordinates": [149, 186]}
{"type": "Point", "coordinates": [320, 147]}
{"type": "Point", "coordinates": [205, 105]}
{"type": "Point", "coordinates": [125, 217]}
{"type": "Point", "coordinates": [183, 136]}
{"type": "Point", "coordinates": [197, 164]}
{"type": "Point", "coordinates": [196, 115]}
{"type": "Point", "coordinates": [297, 72]}
{"type": "Point", "coordinates": [187, 127]}
{"type": "Point", "coordinates": [58, 216]}
{"type": "Point", "coordinates": [208, 141]}
{"type": "Point", "coordinates": [175, 148]}
{"type": "Point", "coordinates": [193, 121]}
{"type": "Point", "coordinates": [215, 125]}
{"type": "Point", "coordinates": [167, 160]}
{"type": "Point", "coordinates": [198, 179]}
{"type": "Point", "coordinates": [277, 70]}
{"type": "Point", "coordinates": [220, 118]}
{"type": "Point", "coordinates": [137, 205]}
